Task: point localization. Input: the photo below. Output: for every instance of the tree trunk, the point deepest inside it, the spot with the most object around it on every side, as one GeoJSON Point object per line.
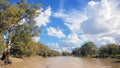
{"type": "Point", "coordinates": [6, 53]}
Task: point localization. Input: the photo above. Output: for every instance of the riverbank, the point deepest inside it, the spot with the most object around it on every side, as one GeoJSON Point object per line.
{"type": "Point", "coordinates": [62, 62]}
{"type": "Point", "coordinates": [25, 62]}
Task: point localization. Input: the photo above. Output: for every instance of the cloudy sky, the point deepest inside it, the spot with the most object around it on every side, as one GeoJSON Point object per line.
{"type": "Point", "coordinates": [67, 24]}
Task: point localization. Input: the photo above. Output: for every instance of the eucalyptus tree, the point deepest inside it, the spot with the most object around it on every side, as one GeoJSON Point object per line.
{"type": "Point", "coordinates": [109, 50]}
{"type": "Point", "coordinates": [17, 21]}
{"type": "Point", "coordinates": [89, 49]}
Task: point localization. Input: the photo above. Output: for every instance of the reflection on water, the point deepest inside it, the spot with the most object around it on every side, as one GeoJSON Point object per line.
{"type": "Point", "coordinates": [74, 62]}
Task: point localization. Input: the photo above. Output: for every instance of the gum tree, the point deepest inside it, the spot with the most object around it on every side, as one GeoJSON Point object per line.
{"type": "Point", "coordinates": [12, 17]}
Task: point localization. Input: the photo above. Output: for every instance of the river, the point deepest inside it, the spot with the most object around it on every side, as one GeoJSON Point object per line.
{"type": "Point", "coordinates": [75, 62]}
{"type": "Point", "coordinates": [64, 62]}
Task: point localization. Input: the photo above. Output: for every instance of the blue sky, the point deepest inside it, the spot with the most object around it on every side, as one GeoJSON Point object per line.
{"type": "Point", "coordinates": [67, 24]}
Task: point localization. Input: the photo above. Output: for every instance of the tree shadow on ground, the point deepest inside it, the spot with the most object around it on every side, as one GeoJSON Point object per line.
{"type": "Point", "coordinates": [117, 61]}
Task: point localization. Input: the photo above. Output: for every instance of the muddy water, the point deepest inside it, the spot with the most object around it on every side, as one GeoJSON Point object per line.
{"type": "Point", "coordinates": [74, 62]}
{"type": "Point", "coordinates": [64, 62]}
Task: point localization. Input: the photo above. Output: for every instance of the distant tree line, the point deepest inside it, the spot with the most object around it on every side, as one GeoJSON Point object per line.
{"type": "Point", "coordinates": [89, 49]}
{"type": "Point", "coordinates": [34, 48]}
{"type": "Point", "coordinates": [30, 49]}
{"type": "Point", "coordinates": [65, 53]}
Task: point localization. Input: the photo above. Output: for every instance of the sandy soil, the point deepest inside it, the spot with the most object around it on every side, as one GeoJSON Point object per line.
{"type": "Point", "coordinates": [26, 62]}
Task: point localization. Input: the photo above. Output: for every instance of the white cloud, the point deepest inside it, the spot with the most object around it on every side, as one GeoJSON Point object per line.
{"type": "Point", "coordinates": [100, 40]}
{"type": "Point", "coordinates": [53, 45]}
{"type": "Point", "coordinates": [60, 47]}
{"type": "Point", "coordinates": [57, 32]}
{"type": "Point", "coordinates": [73, 39]}
{"type": "Point", "coordinates": [5, 37]}
{"type": "Point", "coordinates": [99, 22]}
{"type": "Point", "coordinates": [43, 18]}
{"type": "Point", "coordinates": [103, 21]}
{"type": "Point", "coordinates": [21, 22]}
{"type": "Point", "coordinates": [103, 17]}
{"type": "Point", "coordinates": [72, 20]}
{"type": "Point", "coordinates": [92, 3]}
{"type": "Point", "coordinates": [36, 39]}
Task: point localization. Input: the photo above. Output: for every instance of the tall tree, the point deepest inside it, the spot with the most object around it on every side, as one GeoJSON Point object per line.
{"type": "Point", "coordinates": [89, 49]}
{"type": "Point", "coordinates": [11, 16]}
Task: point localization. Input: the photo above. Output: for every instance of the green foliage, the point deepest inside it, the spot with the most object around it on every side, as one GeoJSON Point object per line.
{"type": "Point", "coordinates": [109, 50]}
{"type": "Point", "coordinates": [90, 50]}
{"type": "Point", "coordinates": [16, 51]}
{"type": "Point", "coordinates": [45, 51]}
{"type": "Point", "coordinates": [2, 46]}
{"type": "Point", "coordinates": [76, 52]}
{"type": "Point", "coordinates": [33, 48]}
{"type": "Point", "coordinates": [19, 36]}
{"type": "Point", "coordinates": [66, 53]}
{"type": "Point", "coordinates": [11, 14]}
{"type": "Point", "coordinates": [24, 49]}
